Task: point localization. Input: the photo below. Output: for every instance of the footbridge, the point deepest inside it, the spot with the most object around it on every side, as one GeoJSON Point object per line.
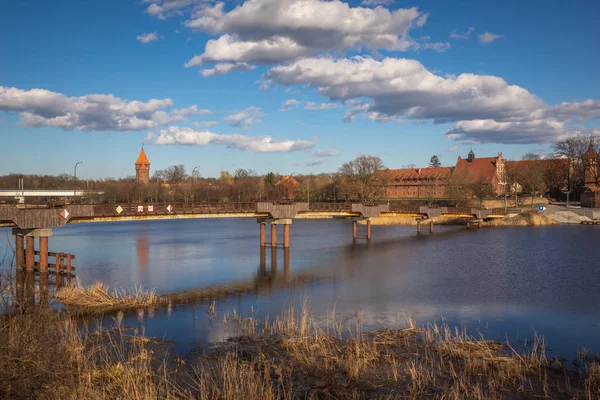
{"type": "Point", "coordinates": [37, 221]}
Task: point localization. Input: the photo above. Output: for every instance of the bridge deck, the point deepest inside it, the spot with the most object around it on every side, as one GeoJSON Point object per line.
{"type": "Point", "coordinates": [164, 211]}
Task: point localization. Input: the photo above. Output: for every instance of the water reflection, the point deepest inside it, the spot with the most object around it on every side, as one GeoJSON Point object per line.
{"type": "Point", "coordinates": [143, 252]}
{"type": "Point", "coordinates": [503, 282]}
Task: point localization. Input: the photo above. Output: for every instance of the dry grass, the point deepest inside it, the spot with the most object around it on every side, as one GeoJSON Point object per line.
{"type": "Point", "coordinates": [97, 297]}
{"type": "Point", "coordinates": [45, 354]}
{"type": "Point", "coordinates": [525, 219]}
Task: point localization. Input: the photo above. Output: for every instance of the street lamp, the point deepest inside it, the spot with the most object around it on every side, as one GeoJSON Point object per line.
{"type": "Point", "coordinates": [75, 169]}
{"type": "Point", "coordinates": [75, 176]}
{"type": "Point", "coordinates": [194, 170]}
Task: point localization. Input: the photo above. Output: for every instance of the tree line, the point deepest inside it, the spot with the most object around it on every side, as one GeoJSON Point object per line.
{"type": "Point", "coordinates": [355, 180]}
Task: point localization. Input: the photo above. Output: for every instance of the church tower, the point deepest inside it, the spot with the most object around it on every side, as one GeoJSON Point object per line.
{"type": "Point", "coordinates": [142, 169]}
{"type": "Point", "coordinates": [590, 164]}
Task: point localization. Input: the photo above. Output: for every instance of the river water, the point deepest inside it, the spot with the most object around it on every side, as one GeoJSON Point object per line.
{"type": "Point", "coordinates": [501, 282]}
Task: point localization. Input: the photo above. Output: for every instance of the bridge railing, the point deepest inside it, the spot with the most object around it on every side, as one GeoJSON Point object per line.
{"type": "Point", "coordinates": [333, 207]}
{"type": "Point", "coordinates": [131, 209]}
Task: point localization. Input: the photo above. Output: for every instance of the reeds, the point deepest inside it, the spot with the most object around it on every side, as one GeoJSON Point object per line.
{"type": "Point", "coordinates": [97, 297]}
{"type": "Point", "coordinates": [45, 354]}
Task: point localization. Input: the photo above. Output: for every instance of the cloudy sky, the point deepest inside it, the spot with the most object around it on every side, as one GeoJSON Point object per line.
{"type": "Point", "coordinates": [290, 85]}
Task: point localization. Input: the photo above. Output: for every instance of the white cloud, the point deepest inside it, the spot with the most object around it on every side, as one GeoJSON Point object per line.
{"type": "Point", "coordinates": [484, 108]}
{"type": "Point", "coordinates": [274, 31]}
{"type": "Point", "coordinates": [452, 149]}
{"type": "Point", "coordinates": [321, 107]}
{"type": "Point", "coordinates": [193, 110]}
{"type": "Point", "coordinates": [289, 104]}
{"type": "Point", "coordinates": [465, 36]}
{"type": "Point", "coordinates": [147, 37]}
{"type": "Point", "coordinates": [91, 112]}
{"type": "Point", "coordinates": [245, 118]}
{"type": "Point", "coordinates": [488, 37]}
{"type": "Point", "coordinates": [266, 144]}
{"type": "Point", "coordinates": [404, 87]}
{"type": "Point", "coordinates": [375, 3]}
{"type": "Point", "coordinates": [440, 47]}
{"type": "Point", "coordinates": [163, 9]}
{"type": "Point", "coordinates": [225, 68]}
{"type": "Point", "coordinates": [315, 161]}
{"type": "Point", "coordinates": [205, 123]}
{"type": "Point", "coordinates": [326, 153]}
{"type": "Point", "coordinates": [521, 132]}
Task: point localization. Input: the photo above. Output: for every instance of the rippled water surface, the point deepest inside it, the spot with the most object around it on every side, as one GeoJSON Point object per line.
{"type": "Point", "coordinates": [504, 282]}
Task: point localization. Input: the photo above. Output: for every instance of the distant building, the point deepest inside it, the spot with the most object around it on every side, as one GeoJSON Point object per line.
{"type": "Point", "coordinates": [142, 169]}
{"type": "Point", "coordinates": [416, 183]}
{"type": "Point", "coordinates": [431, 183]}
{"type": "Point", "coordinates": [289, 187]}
{"type": "Point", "coordinates": [590, 196]}
{"type": "Point", "coordinates": [487, 170]}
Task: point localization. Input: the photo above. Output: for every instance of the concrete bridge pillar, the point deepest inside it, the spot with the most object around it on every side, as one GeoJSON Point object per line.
{"type": "Point", "coordinates": [273, 235]}
{"type": "Point", "coordinates": [286, 236]}
{"type": "Point", "coordinates": [354, 230]}
{"type": "Point", "coordinates": [263, 234]}
{"type": "Point", "coordinates": [369, 229]}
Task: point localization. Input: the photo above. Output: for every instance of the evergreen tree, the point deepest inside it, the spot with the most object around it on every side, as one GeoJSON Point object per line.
{"type": "Point", "coordinates": [434, 162]}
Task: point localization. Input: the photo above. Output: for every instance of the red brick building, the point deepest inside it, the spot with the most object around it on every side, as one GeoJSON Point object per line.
{"type": "Point", "coordinates": [590, 196]}
{"type": "Point", "coordinates": [416, 183]}
{"type": "Point", "coordinates": [432, 183]}
{"type": "Point", "coordinates": [289, 187]}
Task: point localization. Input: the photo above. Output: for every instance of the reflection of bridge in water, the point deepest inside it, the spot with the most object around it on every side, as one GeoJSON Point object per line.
{"type": "Point", "coordinates": [37, 221]}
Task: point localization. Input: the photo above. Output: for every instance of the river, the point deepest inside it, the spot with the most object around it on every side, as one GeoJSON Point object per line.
{"type": "Point", "coordinates": [500, 282]}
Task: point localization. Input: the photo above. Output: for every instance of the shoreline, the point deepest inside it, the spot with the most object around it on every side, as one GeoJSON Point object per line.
{"type": "Point", "coordinates": [45, 354]}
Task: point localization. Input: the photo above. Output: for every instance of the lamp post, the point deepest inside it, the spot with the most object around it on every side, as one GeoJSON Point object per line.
{"type": "Point", "coordinates": [194, 170]}
{"type": "Point", "coordinates": [75, 176]}
{"type": "Point", "coordinates": [75, 169]}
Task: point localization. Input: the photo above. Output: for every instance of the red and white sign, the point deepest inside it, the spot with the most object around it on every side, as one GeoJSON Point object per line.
{"type": "Point", "coordinates": [150, 207]}
{"type": "Point", "coordinates": [170, 208]}
{"type": "Point", "coordinates": [65, 214]}
{"type": "Point", "coordinates": [140, 209]}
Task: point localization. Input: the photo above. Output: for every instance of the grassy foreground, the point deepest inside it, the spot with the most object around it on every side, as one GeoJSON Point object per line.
{"type": "Point", "coordinates": [44, 354]}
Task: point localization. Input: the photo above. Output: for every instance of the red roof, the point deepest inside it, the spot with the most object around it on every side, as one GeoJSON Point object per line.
{"type": "Point", "coordinates": [590, 153]}
{"type": "Point", "coordinates": [414, 176]}
{"type": "Point", "coordinates": [142, 159]}
{"type": "Point", "coordinates": [481, 168]}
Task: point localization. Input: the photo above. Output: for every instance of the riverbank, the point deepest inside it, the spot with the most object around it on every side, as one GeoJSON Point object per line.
{"type": "Point", "coordinates": [530, 218]}
{"type": "Point", "coordinates": [44, 354]}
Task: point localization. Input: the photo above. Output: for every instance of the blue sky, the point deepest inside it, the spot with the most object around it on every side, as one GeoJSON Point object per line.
{"type": "Point", "coordinates": [412, 86]}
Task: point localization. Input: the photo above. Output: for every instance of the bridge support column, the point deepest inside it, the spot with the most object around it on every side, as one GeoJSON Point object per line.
{"type": "Point", "coordinates": [369, 229]}
{"type": "Point", "coordinates": [30, 253]}
{"type": "Point", "coordinates": [286, 236]}
{"type": "Point", "coordinates": [273, 235]}
{"type": "Point", "coordinates": [43, 253]}
{"type": "Point", "coordinates": [263, 234]}
{"type": "Point", "coordinates": [20, 251]}
{"type": "Point", "coordinates": [354, 230]}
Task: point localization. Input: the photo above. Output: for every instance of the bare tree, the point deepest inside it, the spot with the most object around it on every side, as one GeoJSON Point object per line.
{"type": "Point", "coordinates": [174, 174]}
{"type": "Point", "coordinates": [360, 176]}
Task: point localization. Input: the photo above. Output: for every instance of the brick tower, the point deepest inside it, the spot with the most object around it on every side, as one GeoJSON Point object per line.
{"type": "Point", "coordinates": [590, 163]}
{"type": "Point", "coordinates": [142, 169]}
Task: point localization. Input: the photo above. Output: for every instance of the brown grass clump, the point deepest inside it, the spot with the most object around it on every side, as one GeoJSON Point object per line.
{"type": "Point", "coordinates": [525, 219]}
{"type": "Point", "coordinates": [98, 298]}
